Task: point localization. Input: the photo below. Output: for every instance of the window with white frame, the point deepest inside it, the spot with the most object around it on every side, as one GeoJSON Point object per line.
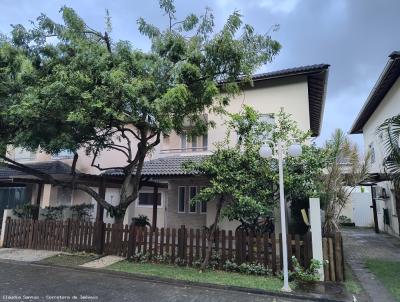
{"type": "Point", "coordinates": [146, 199]}
{"type": "Point", "coordinates": [372, 152]}
{"type": "Point", "coordinates": [194, 143]}
{"type": "Point", "coordinates": [203, 204]}
{"type": "Point", "coordinates": [63, 154]}
{"type": "Point", "coordinates": [183, 141]}
{"type": "Point", "coordinates": [21, 154]}
{"type": "Point", "coordinates": [181, 199]}
{"type": "Point", "coordinates": [192, 206]}
{"type": "Point", "coordinates": [267, 118]}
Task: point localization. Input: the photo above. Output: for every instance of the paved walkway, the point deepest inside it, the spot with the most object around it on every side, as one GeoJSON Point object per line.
{"type": "Point", "coordinates": [25, 254]}
{"type": "Point", "coordinates": [103, 262]}
{"type": "Point", "coordinates": [361, 244]}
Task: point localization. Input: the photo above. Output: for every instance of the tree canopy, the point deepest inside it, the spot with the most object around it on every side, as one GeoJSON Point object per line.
{"type": "Point", "coordinates": [67, 86]}
{"type": "Point", "coordinates": [248, 184]}
{"type": "Point", "coordinates": [245, 186]}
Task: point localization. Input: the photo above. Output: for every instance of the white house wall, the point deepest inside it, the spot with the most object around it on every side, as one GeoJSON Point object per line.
{"type": "Point", "coordinates": [290, 94]}
{"type": "Point", "coordinates": [389, 107]}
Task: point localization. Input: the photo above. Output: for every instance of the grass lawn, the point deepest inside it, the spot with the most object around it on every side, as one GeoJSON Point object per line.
{"type": "Point", "coordinates": [70, 259]}
{"type": "Point", "coordinates": [352, 285]}
{"type": "Point", "coordinates": [192, 274]}
{"type": "Point", "coordinates": [388, 272]}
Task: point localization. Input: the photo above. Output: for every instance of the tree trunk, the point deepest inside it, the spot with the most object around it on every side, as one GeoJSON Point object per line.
{"type": "Point", "coordinates": [330, 226]}
{"type": "Point", "coordinates": [211, 234]}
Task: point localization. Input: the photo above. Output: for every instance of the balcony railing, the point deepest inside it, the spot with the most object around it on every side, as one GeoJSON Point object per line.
{"type": "Point", "coordinates": [184, 150]}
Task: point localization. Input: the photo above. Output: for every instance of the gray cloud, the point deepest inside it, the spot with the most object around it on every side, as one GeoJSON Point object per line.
{"type": "Point", "coordinates": [355, 36]}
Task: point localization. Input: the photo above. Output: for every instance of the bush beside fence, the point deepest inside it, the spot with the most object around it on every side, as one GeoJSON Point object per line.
{"type": "Point", "coordinates": [184, 245]}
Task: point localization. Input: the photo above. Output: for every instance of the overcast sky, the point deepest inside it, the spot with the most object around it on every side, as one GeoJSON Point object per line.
{"type": "Point", "coordinates": [355, 36]}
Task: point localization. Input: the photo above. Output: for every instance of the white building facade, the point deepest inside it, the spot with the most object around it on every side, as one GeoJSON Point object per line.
{"type": "Point", "coordinates": [382, 103]}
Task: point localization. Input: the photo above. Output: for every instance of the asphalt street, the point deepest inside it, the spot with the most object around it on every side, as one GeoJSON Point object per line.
{"type": "Point", "coordinates": [31, 282]}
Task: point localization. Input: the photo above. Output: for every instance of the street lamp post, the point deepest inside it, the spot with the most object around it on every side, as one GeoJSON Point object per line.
{"type": "Point", "coordinates": [279, 153]}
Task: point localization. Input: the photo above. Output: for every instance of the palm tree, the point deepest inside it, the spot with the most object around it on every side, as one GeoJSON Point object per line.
{"type": "Point", "coordinates": [344, 171]}
{"type": "Point", "coordinates": [390, 131]}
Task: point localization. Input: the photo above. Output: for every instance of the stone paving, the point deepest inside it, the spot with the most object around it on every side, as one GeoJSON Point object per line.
{"type": "Point", "coordinates": [103, 262]}
{"type": "Point", "coordinates": [361, 244]}
{"type": "Point", "coordinates": [26, 255]}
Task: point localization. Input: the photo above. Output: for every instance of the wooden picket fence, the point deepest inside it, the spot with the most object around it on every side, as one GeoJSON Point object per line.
{"type": "Point", "coordinates": [182, 244]}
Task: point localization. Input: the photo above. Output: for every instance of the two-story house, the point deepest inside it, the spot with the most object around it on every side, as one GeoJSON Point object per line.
{"type": "Point", "coordinates": [382, 103]}
{"type": "Point", "coordinates": [300, 91]}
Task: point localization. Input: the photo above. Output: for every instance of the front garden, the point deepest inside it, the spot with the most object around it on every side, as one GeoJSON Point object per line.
{"type": "Point", "coordinates": [193, 275]}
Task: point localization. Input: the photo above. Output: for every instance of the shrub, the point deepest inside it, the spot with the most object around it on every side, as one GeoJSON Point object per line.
{"type": "Point", "coordinates": [180, 262]}
{"type": "Point", "coordinates": [306, 275]}
{"type": "Point", "coordinates": [26, 211]}
{"type": "Point", "coordinates": [254, 269]}
{"type": "Point", "coordinates": [247, 268]}
{"type": "Point", "coordinates": [230, 266]}
{"type": "Point", "coordinates": [161, 259]}
{"type": "Point", "coordinates": [53, 213]}
{"type": "Point", "coordinates": [214, 260]}
{"type": "Point", "coordinates": [82, 211]}
{"type": "Point", "coordinates": [141, 221]}
{"type": "Point", "coordinates": [197, 263]}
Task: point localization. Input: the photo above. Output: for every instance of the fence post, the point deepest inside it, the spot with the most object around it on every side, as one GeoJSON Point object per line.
{"type": "Point", "coordinates": [67, 233]}
{"type": "Point", "coordinates": [182, 242]}
{"type": "Point", "coordinates": [316, 234]}
{"type": "Point", "coordinates": [99, 237]}
{"type": "Point", "coordinates": [4, 232]}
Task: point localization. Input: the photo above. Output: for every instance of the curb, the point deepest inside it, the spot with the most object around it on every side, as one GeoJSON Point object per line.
{"type": "Point", "coordinates": [175, 282]}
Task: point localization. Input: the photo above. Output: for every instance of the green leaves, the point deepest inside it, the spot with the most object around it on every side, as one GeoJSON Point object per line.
{"type": "Point", "coordinates": [67, 86]}
{"type": "Point", "coordinates": [389, 131]}
{"type": "Point", "coordinates": [248, 183]}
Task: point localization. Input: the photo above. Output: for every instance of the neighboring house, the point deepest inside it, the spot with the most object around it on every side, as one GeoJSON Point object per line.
{"type": "Point", "coordinates": [383, 102]}
{"type": "Point", "coordinates": [300, 91]}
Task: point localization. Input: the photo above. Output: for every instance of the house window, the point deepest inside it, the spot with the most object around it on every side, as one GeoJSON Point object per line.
{"type": "Point", "coordinates": [11, 197]}
{"type": "Point", "coordinates": [205, 142]}
{"type": "Point", "coordinates": [203, 204]}
{"type": "Point", "coordinates": [146, 199]}
{"type": "Point", "coordinates": [63, 154]}
{"type": "Point", "coordinates": [183, 141]}
{"type": "Point", "coordinates": [21, 154]}
{"type": "Point", "coordinates": [194, 143]}
{"type": "Point", "coordinates": [372, 152]}
{"type": "Point", "coordinates": [267, 118]}
{"type": "Point", "coordinates": [181, 199]}
{"type": "Point", "coordinates": [192, 206]}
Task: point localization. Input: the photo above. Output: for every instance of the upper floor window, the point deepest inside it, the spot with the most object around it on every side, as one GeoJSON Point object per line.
{"type": "Point", "coordinates": [21, 154]}
{"type": "Point", "coordinates": [372, 152]}
{"type": "Point", "coordinates": [267, 118]}
{"type": "Point", "coordinates": [194, 143]}
{"type": "Point", "coordinates": [63, 154]}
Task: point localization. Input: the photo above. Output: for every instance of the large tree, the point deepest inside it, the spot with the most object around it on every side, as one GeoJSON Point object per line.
{"type": "Point", "coordinates": [71, 87]}
{"type": "Point", "coordinates": [244, 185]}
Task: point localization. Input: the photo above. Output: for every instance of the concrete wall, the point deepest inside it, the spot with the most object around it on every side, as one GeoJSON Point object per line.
{"type": "Point", "coordinates": [358, 209]}
{"type": "Point", "coordinates": [389, 107]}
